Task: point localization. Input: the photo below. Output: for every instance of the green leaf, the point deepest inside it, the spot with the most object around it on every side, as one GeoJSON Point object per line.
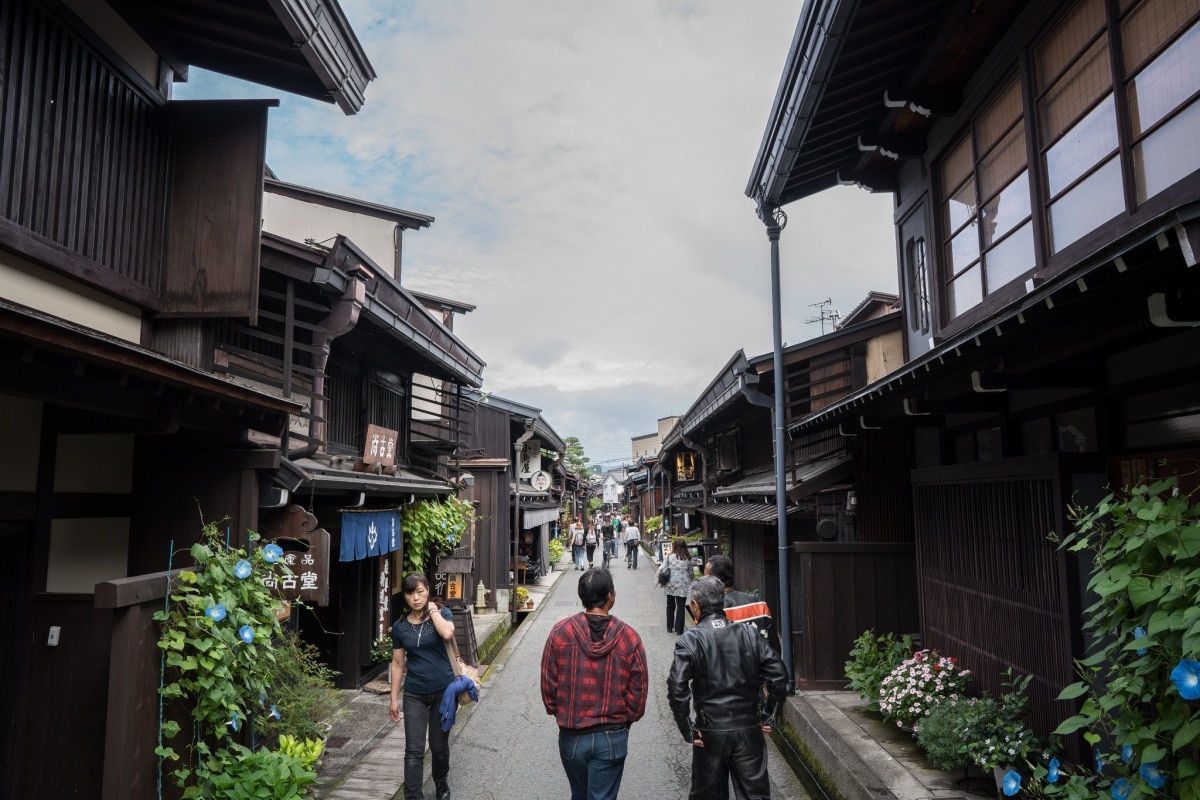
{"type": "Point", "coordinates": [1073, 691]}
{"type": "Point", "coordinates": [1092, 738]}
{"type": "Point", "coordinates": [1186, 735]}
{"type": "Point", "coordinates": [1141, 592]}
{"type": "Point", "coordinates": [1152, 753]}
{"type": "Point", "coordinates": [1072, 724]}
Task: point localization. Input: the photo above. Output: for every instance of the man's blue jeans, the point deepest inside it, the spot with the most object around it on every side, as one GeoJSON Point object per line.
{"type": "Point", "coordinates": [594, 762]}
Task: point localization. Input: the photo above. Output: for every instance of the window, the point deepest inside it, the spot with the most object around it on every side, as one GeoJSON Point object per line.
{"type": "Point", "coordinates": [987, 213]}
{"type": "Point", "coordinates": [1162, 91]}
{"type": "Point", "coordinates": [1079, 125]}
{"type": "Point", "coordinates": [918, 285]}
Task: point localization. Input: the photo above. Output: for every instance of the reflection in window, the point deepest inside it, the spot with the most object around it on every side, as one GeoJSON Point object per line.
{"type": "Point", "coordinates": [1076, 431]}
{"type": "Point", "coordinates": [918, 285]}
{"type": "Point", "coordinates": [1079, 211]}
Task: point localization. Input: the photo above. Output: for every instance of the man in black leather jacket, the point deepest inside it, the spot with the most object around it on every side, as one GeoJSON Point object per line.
{"type": "Point", "coordinates": [720, 668]}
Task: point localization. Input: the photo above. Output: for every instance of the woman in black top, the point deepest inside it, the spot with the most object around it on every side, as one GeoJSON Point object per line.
{"type": "Point", "coordinates": [421, 665]}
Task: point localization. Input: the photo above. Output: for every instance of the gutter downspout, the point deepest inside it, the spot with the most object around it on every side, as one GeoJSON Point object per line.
{"type": "Point", "coordinates": [341, 319]}
{"type": "Point", "coordinates": [776, 220]}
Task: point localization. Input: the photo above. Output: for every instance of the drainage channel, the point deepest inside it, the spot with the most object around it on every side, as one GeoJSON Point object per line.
{"type": "Point", "coordinates": [800, 766]}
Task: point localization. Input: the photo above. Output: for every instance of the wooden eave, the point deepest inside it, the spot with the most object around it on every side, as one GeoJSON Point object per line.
{"type": "Point", "coordinates": [408, 220]}
{"type": "Point", "coordinates": [303, 47]}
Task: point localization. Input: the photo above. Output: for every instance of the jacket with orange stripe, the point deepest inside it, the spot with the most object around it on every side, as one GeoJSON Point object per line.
{"type": "Point", "coordinates": [745, 607]}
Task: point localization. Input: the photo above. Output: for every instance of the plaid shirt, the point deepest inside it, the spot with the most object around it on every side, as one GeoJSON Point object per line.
{"type": "Point", "coordinates": [587, 683]}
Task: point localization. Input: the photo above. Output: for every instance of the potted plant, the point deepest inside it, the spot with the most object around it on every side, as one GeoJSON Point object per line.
{"type": "Point", "coordinates": [523, 599]}
{"type": "Point", "coordinates": [939, 734]}
{"type": "Point", "coordinates": [911, 690]}
{"type": "Point", "coordinates": [995, 737]}
{"type": "Point", "coordinates": [872, 659]}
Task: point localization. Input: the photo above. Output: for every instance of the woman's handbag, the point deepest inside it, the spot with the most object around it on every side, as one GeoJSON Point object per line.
{"type": "Point", "coordinates": [462, 669]}
{"type": "Point", "coordinates": [663, 576]}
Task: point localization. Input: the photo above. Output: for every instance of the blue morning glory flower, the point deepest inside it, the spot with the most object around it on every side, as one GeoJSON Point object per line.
{"type": "Point", "coordinates": [1120, 789]}
{"type": "Point", "coordinates": [1052, 771]}
{"type": "Point", "coordinates": [1127, 753]}
{"type": "Point", "coordinates": [246, 633]}
{"type": "Point", "coordinates": [1152, 775]}
{"type": "Point", "coordinates": [1186, 676]}
{"type": "Point", "coordinates": [242, 569]}
{"type": "Point", "coordinates": [262, 700]}
{"type": "Point", "coordinates": [1012, 783]}
{"type": "Point", "coordinates": [272, 553]}
{"type": "Point", "coordinates": [215, 612]}
{"type": "Point", "coordinates": [1099, 763]}
{"type": "Point", "coordinates": [233, 722]}
{"type": "Point", "coordinates": [1138, 633]}
{"type": "Point", "coordinates": [274, 713]}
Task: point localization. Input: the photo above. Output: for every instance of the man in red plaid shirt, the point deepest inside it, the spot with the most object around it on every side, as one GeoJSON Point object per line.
{"type": "Point", "coordinates": [594, 683]}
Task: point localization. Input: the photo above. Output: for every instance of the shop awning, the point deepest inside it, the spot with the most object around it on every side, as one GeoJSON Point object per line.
{"type": "Point", "coordinates": [369, 533]}
{"type": "Point", "coordinates": [532, 517]}
{"type": "Point", "coordinates": [758, 513]}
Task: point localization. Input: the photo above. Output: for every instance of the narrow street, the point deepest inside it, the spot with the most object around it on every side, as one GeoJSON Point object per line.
{"type": "Point", "coordinates": [508, 746]}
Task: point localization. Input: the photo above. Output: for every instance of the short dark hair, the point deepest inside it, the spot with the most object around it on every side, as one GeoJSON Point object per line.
{"type": "Point", "coordinates": [708, 593]}
{"type": "Point", "coordinates": [721, 568]}
{"type": "Point", "coordinates": [594, 587]}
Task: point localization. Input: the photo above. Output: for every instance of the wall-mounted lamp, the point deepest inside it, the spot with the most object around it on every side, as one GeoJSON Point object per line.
{"type": "Point", "coordinates": [466, 479]}
{"type": "Point", "coordinates": [851, 501]}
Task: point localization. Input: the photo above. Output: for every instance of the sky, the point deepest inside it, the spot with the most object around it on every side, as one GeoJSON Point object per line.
{"type": "Point", "coordinates": [586, 166]}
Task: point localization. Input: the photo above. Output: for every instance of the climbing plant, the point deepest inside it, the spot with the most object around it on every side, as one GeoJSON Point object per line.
{"type": "Point", "coordinates": [1140, 689]}
{"type": "Point", "coordinates": [218, 663]}
{"type": "Point", "coordinates": [433, 528]}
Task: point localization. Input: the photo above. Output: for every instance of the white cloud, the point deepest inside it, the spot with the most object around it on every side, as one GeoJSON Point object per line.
{"type": "Point", "coordinates": [586, 164]}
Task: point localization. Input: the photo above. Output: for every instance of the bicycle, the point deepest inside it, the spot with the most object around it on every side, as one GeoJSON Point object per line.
{"type": "Point", "coordinates": [610, 547]}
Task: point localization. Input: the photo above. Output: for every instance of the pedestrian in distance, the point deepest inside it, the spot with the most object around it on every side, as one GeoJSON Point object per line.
{"type": "Point", "coordinates": [594, 683]}
{"type": "Point", "coordinates": [677, 567]}
{"type": "Point", "coordinates": [577, 537]}
{"type": "Point", "coordinates": [633, 543]}
{"type": "Point", "coordinates": [718, 670]}
{"type": "Point", "coordinates": [739, 607]}
{"type": "Point", "coordinates": [589, 543]}
{"type": "Point", "coordinates": [421, 667]}
{"type": "Point", "coordinates": [609, 543]}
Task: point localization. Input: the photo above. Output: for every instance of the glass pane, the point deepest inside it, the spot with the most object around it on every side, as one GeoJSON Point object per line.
{"type": "Point", "coordinates": [1067, 38]}
{"type": "Point", "coordinates": [1088, 206]}
{"type": "Point", "coordinates": [988, 444]}
{"type": "Point", "coordinates": [1076, 431]}
{"type": "Point", "coordinates": [1010, 259]}
{"type": "Point", "coordinates": [1151, 24]}
{"type": "Point", "coordinates": [998, 116]}
{"type": "Point", "coordinates": [1006, 210]}
{"type": "Point", "coordinates": [965, 292]}
{"type": "Point", "coordinates": [1006, 160]}
{"type": "Point", "coordinates": [1093, 139]}
{"type": "Point", "coordinates": [960, 208]}
{"type": "Point", "coordinates": [1035, 437]}
{"type": "Point", "coordinates": [964, 249]}
{"type": "Point", "coordinates": [1088, 79]}
{"type": "Point", "coordinates": [1169, 80]}
{"type": "Point", "coordinates": [1168, 154]}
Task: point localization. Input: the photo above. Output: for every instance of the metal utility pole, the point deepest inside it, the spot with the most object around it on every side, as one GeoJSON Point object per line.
{"type": "Point", "coordinates": [776, 221]}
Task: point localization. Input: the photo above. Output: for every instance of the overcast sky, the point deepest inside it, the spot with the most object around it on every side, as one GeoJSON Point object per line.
{"type": "Point", "coordinates": [586, 164]}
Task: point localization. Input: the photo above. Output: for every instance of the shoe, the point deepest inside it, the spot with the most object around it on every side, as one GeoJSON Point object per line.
{"type": "Point", "coordinates": [443, 789]}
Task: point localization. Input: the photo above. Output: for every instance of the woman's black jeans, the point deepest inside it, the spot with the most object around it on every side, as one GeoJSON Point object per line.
{"type": "Point", "coordinates": [675, 606]}
{"type": "Point", "coordinates": [422, 716]}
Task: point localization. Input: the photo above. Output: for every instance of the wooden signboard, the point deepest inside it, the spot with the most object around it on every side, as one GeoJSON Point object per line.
{"type": "Point", "coordinates": [380, 446]}
{"type": "Point", "coordinates": [305, 551]}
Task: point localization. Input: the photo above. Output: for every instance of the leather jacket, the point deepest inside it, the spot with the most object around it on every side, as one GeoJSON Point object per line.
{"type": "Point", "coordinates": [720, 667]}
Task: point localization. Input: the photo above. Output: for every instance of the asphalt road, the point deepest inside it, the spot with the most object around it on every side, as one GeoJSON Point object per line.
{"type": "Point", "coordinates": [507, 746]}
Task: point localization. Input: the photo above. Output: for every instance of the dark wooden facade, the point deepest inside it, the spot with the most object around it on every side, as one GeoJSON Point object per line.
{"type": "Point", "coordinates": [1046, 240]}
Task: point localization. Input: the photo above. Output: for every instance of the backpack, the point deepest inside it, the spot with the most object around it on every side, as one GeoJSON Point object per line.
{"type": "Point", "coordinates": [616, 525]}
{"type": "Point", "coordinates": [591, 537]}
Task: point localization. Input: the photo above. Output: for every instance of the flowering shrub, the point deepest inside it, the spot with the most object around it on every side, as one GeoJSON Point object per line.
{"type": "Point", "coordinates": [912, 689]}
{"type": "Point", "coordinates": [872, 659]}
{"type": "Point", "coordinates": [1139, 711]}
{"type": "Point", "coordinates": [433, 528]}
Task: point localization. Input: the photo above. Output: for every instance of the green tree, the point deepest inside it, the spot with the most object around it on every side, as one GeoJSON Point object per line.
{"type": "Point", "coordinates": [575, 459]}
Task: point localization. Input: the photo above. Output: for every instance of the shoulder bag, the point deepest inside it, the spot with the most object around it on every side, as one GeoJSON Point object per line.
{"type": "Point", "coordinates": [663, 576]}
{"type": "Point", "coordinates": [461, 668]}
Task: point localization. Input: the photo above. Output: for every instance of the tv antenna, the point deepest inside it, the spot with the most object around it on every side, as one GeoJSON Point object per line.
{"type": "Point", "coordinates": [826, 314]}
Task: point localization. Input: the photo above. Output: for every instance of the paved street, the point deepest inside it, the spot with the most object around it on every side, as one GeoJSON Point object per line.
{"type": "Point", "coordinates": [507, 747]}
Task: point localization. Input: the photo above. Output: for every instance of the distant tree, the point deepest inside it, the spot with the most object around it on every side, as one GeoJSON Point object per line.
{"type": "Point", "coordinates": [575, 459]}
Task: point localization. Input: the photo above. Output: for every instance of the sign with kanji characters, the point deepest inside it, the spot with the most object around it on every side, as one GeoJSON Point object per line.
{"type": "Point", "coordinates": [305, 552]}
{"type": "Point", "coordinates": [454, 586]}
{"type": "Point", "coordinates": [380, 446]}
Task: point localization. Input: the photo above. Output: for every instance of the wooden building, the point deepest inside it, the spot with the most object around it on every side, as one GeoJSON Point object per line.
{"type": "Point", "coordinates": [518, 488]}
{"type": "Point", "coordinates": [1046, 196]}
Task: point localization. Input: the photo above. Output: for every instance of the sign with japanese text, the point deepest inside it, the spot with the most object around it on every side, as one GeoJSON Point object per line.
{"type": "Point", "coordinates": [540, 480]}
{"type": "Point", "coordinates": [380, 446]}
{"type": "Point", "coordinates": [305, 552]}
{"type": "Point", "coordinates": [454, 586]}
{"type": "Point", "coordinates": [383, 599]}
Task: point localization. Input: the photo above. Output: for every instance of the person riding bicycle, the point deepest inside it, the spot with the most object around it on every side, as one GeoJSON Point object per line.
{"type": "Point", "coordinates": [610, 544]}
